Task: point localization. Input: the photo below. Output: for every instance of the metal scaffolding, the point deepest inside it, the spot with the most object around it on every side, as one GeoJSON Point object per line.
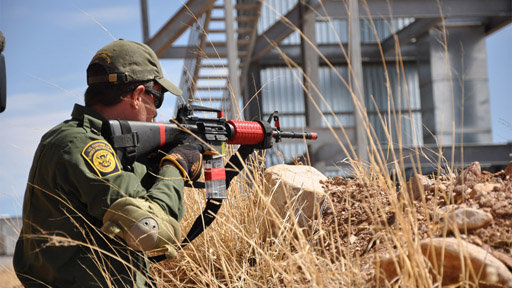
{"type": "Point", "coordinates": [379, 69]}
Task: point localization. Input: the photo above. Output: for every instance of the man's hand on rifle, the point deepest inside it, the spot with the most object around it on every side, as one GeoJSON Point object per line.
{"type": "Point", "coordinates": [187, 158]}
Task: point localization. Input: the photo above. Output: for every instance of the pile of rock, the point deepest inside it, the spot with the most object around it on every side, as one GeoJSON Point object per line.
{"type": "Point", "coordinates": [474, 209]}
{"type": "Point", "coordinates": [464, 222]}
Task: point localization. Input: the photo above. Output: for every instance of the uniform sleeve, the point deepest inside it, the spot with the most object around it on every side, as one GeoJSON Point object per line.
{"type": "Point", "coordinates": [98, 180]}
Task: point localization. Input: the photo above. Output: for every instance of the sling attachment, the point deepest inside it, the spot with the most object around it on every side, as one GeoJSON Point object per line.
{"type": "Point", "coordinates": [126, 145]}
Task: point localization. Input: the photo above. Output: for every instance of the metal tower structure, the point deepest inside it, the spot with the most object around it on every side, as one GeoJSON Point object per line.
{"type": "Point", "coordinates": [414, 70]}
{"type": "Point", "coordinates": [218, 54]}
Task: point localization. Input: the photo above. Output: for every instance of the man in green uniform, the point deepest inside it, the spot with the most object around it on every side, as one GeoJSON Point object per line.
{"type": "Point", "coordinates": [88, 221]}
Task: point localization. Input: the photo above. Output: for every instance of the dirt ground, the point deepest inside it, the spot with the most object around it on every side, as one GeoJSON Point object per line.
{"type": "Point", "coordinates": [362, 213]}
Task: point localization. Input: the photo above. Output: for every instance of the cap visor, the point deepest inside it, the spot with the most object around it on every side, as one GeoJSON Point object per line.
{"type": "Point", "coordinates": [169, 86]}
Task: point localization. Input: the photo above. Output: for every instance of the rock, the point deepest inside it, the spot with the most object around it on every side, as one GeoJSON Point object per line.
{"type": "Point", "coordinates": [508, 170]}
{"type": "Point", "coordinates": [417, 185]}
{"type": "Point", "coordinates": [471, 175]}
{"type": "Point", "coordinates": [485, 188]}
{"type": "Point", "coordinates": [492, 270]}
{"type": "Point", "coordinates": [448, 253]}
{"type": "Point", "coordinates": [482, 189]}
{"type": "Point", "coordinates": [442, 188]}
{"type": "Point", "coordinates": [297, 189]}
{"type": "Point", "coordinates": [460, 191]}
{"type": "Point", "coordinates": [468, 218]}
{"type": "Point", "coordinates": [503, 208]}
{"type": "Point", "coordinates": [504, 258]}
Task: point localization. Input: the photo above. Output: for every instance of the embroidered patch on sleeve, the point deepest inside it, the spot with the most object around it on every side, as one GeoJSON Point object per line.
{"type": "Point", "coordinates": [102, 157]}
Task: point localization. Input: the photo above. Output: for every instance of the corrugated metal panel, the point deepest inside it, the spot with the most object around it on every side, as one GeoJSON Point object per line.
{"type": "Point", "coordinates": [332, 32]}
{"type": "Point", "coordinates": [282, 91]}
{"type": "Point", "coordinates": [383, 27]}
{"type": "Point", "coordinates": [336, 30]}
{"type": "Point", "coordinates": [336, 95]}
{"type": "Point", "coordinates": [272, 11]}
{"type": "Point", "coordinates": [394, 103]}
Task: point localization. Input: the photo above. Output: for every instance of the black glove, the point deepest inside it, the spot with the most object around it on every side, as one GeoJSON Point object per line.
{"type": "Point", "coordinates": [187, 158]}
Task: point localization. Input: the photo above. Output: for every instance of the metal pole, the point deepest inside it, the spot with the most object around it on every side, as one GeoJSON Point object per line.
{"type": "Point", "coordinates": [310, 77]}
{"type": "Point", "coordinates": [357, 79]}
{"type": "Point", "coordinates": [145, 21]}
{"type": "Point", "coordinates": [310, 66]}
{"type": "Point", "coordinates": [232, 53]}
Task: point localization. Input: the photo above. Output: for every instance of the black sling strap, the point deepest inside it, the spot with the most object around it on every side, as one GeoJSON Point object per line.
{"type": "Point", "coordinates": [233, 168]}
{"type": "Point", "coordinates": [126, 144]}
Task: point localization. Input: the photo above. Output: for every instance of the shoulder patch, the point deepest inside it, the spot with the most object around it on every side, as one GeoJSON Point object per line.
{"type": "Point", "coordinates": [102, 157]}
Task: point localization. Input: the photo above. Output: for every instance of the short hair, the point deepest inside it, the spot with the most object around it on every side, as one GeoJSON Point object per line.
{"type": "Point", "coordinates": [110, 94]}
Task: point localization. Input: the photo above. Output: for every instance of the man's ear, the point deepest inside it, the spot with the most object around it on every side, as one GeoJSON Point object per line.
{"type": "Point", "coordinates": [136, 96]}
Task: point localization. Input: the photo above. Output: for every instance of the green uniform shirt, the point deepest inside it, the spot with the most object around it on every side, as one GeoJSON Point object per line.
{"type": "Point", "coordinates": [75, 177]}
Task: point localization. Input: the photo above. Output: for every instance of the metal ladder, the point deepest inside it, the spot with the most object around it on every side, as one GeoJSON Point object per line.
{"type": "Point", "coordinates": [212, 77]}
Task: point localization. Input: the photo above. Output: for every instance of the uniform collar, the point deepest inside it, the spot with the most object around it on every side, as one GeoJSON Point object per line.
{"type": "Point", "coordinates": [90, 118]}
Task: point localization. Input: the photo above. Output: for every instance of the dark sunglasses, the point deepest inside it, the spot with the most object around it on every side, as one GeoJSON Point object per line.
{"type": "Point", "coordinates": [158, 97]}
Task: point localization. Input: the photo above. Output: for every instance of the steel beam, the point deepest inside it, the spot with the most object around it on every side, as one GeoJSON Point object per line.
{"type": "Point", "coordinates": [415, 29]}
{"type": "Point", "coordinates": [232, 50]}
{"type": "Point", "coordinates": [420, 8]}
{"type": "Point", "coordinates": [356, 83]}
{"type": "Point", "coordinates": [178, 24]}
{"type": "Point", "coordinates": [186, 52]}
{"type": "Point", "coordinates": [334, 54]}
{"type": "Point", "coordinates": [252, 97]}
{"type": "Point", "coordinates": [454, 111]}
{"type": "Point", "coordinates": [496, 23]}
{"type": "Point", "coordinates": [276, 33]}
{"type": "Point", "coordinates": [310, 65]}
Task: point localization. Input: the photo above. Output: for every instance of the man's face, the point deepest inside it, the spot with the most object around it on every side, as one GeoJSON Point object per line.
{"type": "Point", "coordinates": [148, 111]}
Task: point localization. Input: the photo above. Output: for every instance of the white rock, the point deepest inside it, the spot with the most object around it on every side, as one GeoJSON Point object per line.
{"type": "Point", "coordinates": [468, 218]}
{"type": "Point", "coordinates": [297, 189]}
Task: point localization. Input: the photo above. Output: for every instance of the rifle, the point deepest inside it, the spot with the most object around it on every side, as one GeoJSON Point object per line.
{"type": "Point", "coordinates": [134, 141]}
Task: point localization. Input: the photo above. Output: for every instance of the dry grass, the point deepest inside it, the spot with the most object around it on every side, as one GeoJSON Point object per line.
{"type": "Point", "coordinates": [8, 277]}
{"type": "Point", "coordinates": [236, 252]}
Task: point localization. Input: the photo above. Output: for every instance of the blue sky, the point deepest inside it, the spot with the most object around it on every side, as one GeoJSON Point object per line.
{"type": "Point", "coordinates": [48, 47]}
{"type": "Point", "coordinates": [50, 43]}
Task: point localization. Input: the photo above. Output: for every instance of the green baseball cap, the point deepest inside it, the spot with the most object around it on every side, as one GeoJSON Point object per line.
{"type": "Point", "coordinates": [126, 61]}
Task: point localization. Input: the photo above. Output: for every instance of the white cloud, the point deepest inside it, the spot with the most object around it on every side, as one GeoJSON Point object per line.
{"type": "Point", "coordinates": [104, 15]}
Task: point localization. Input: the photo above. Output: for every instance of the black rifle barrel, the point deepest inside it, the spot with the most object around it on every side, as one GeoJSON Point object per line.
{"type": "Point", "coordinates": [295, 135]}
